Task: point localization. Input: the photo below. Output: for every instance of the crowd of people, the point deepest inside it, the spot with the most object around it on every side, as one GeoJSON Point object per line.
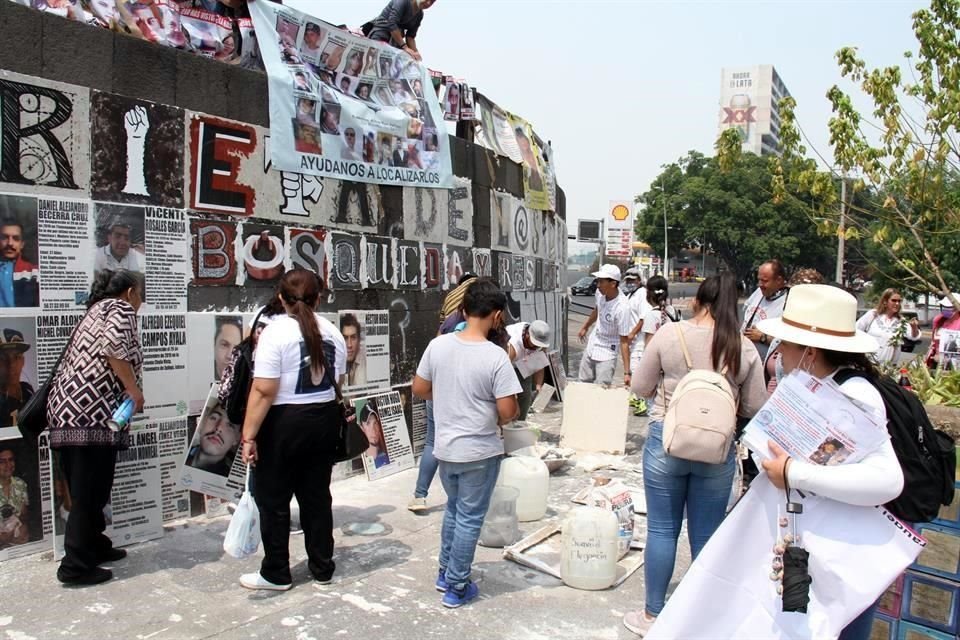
{"type": "Point", "coordinates": [795, 323]}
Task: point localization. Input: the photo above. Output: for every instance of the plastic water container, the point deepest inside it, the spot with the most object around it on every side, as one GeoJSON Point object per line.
{"type": "Point", "coordinates": [500, 528]}
{"type": "Point", "coordinates": [532, 479]}
{"type": "Point", "coordinates": [589, 556]}
{"type": "Point", "coordinates": [518, 435]}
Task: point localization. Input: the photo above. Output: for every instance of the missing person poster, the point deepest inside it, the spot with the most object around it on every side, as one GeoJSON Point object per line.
{"type": "Point", "coordinates": [949, 349]}
{"type": "Point", "coordinates": [381, 418]}
{"type": "Point", "coordinates": [18, 366]}
{"type": "Point", "coordinates": [366, 334]}
{"type": "Point", "coordinates": [135, 512]}
{"type": "Point", "coordinates": [25, 517]}
{"type": "Point", "coordinates": [163, 339]}
{"type": "Point", "coordinates": [348, 107]}
{"type": "Point", "coordinates": [65, 246]}
{"type": "Point", "coordinates": [172, 447]}
{"type": "Point", "coordinates": [213, 337]}
{"type": "Point", "coordinates": [213, 464]}
{"type": "Point", "coordinates": [415, 413]}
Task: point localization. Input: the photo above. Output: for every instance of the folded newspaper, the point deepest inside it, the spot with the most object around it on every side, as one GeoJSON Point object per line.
{"type": "Point", "coordinates": [814, 420]}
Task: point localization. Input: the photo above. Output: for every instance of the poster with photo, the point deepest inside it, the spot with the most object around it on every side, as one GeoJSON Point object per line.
{"type": "Point", "coordinates": [24, 486]}
{"type": "Point", "coordinates": [451, 100]}
{"type": "Point", "coordinates": [347, 107]}
{"type": "Point", "coordinates": [212, 339]}
{"type": "Point", "coordinates": [212, 465]}
{"type": "Point", "coordinates": [367, 335]}
{"type": "Point", "coordinates": [120, 241]}
{"type": "Point", "coordinates": [135, 510]}
{"type": "Point", "coordinates": [949, 349]}
{"type": "Point", "coordinates": [467, 100]}
{"type": "Point", "coordinates": [415, 414]}
{"type": "Point", "coordinates": [18, 366]}
{"type": "Point", "coordinates": [382, 420]}
{"type": "Point", "coordinates": [19, 254]}
{"type": "Point", "coordinates": [167, 259]}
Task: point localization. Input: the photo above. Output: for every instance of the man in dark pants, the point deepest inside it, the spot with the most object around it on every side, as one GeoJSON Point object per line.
{"type": "Point", "coordinates": [398, 23]}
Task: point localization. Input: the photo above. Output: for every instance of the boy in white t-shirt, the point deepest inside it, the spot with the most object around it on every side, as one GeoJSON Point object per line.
{"type": "Point", "coordinates": [473, 388]}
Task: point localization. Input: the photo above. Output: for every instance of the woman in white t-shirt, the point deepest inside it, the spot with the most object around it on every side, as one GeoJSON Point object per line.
{"type": "Point", "coordinates": [659, 312]}
{"type": "Point", "coordinates": [884, 321]}
{"type": "Point", "coordinates": [290, 430]}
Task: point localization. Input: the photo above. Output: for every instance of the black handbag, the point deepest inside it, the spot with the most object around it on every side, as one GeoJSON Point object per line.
{"type": "Point", "coordinates": [351, 440]}
{"type": "Point", "coordinates": [237, 378]}
{"type": "Point", "coordinates": [32, 418]}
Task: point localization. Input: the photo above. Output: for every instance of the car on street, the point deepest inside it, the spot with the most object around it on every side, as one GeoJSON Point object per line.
{"type": "Point", "coordinates": [585, 286]}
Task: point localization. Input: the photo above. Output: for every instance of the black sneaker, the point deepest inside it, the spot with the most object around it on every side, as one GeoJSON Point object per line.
{"type": "Point", "coordinates": [96, 575]}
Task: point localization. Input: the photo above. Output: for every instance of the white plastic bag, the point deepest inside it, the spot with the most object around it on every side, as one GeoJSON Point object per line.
{"type": "Point", "coordinates": [243, 535]}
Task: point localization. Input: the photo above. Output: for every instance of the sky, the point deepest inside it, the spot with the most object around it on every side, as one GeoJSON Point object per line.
{"type": "Point", "coordinates": [624, 87]}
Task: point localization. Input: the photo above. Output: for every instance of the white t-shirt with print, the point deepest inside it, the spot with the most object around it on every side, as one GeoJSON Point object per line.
{"type": "Point", "coordinates": [637, 308]}
{"type": "Point", "coordinates": [612, 320]}
{"type": "Point", "coordinates": [282, 353]}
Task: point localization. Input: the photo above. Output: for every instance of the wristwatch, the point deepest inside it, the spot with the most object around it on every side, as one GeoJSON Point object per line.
{"type": "Point", "coordinates": [763, 338]}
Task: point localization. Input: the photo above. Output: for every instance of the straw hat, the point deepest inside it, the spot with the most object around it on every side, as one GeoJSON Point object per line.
{"type": "Point", "coordinates": [820, 316]}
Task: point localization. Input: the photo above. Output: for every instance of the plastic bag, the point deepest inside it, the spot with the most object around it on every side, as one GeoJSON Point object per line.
{"type": "Point", "coordinates": [243, 535]}
{"type": "Point", "coordinates": [613, 495]}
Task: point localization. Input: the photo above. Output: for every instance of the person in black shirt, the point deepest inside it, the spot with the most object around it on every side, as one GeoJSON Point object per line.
{"type": "Point", "coordinates": [398, 23]}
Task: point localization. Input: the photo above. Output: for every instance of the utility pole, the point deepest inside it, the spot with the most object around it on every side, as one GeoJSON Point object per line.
{"type": "Point", "coordinates": [666, 242]}
{"type": "Point", "coordinates": [841, 229]}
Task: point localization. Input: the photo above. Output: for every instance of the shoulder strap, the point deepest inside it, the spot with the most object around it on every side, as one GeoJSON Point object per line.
{"type": "Point", "coordinates": [683, 346]}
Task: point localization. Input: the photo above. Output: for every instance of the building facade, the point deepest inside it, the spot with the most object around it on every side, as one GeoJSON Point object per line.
{"type": "Point", "coordinates": [749, 101]}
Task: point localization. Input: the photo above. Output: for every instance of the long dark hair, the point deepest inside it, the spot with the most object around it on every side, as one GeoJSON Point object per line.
{"type": "Point", "coordinates": [718, 294]}
{"type": "Point", "coordinates": [112, 284]}
{"type": "Point", "coordinates": [657, 292]}
{"type": "Point", "coordinates": [300, 290]}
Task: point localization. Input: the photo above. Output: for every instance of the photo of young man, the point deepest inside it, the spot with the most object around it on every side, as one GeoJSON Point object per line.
{"type": "Point", "coordinates": [19, 273]}
{"type": "Point", "coordinates": [352, 333]}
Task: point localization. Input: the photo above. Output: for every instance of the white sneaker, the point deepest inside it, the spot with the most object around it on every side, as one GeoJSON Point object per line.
{"type": "Point", "coordinates": [417, 504]}
{"type": "Point", "coordinates": [638, 622]}
{"type": "Point", "coordinates": [256, 581]}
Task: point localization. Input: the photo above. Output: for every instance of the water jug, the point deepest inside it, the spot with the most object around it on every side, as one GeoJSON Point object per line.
{"type": "Point", "coordinates": [532, 479]}
{"type": "Point", "coordinates": [589, 556]}
{"type": "Point", "coordinates": [500, 528]}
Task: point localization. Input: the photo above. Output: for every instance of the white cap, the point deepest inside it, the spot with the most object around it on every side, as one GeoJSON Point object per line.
{"type": "Point", "coordinates": [539, 334]}
{"type": "Point", "coordinates": [609, 271]}
{"type": "Point", "coordinates": [945, 300]}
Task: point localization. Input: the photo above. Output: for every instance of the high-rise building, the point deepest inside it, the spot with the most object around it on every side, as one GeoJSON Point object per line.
{"type": "Point", "coordinates": [750, 101]}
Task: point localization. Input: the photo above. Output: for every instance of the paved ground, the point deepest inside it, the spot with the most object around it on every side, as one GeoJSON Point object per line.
{"type": "Point", "coordinates": [184, 586]}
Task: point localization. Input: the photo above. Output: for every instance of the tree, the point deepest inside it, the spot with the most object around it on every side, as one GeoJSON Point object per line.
{"type": "Point", "coordinates": [732, 212]}
{"type": "Point", "coordinates": [907, 163]}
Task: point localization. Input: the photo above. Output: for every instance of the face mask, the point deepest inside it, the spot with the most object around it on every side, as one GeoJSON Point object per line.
{"type": "Point", "coordinates": [630, 287]}
{"type": "Point", "coordinates": [778, 368]}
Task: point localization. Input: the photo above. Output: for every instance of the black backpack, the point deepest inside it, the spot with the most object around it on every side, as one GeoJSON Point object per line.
{"type": "Point", "coordinates": [237, 378]}
{"type": "Point", "coordinates": [927, 455]}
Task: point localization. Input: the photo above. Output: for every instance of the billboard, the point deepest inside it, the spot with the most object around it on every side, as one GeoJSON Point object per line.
{"type": "Point", "coordinates": [619, 239]}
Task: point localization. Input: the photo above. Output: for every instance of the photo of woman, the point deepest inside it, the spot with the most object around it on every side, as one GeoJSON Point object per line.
{"type": "Point", "coordinates": [354, 63]}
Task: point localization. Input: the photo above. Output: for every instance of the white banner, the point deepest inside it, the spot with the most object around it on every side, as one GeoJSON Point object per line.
{"type": "Point", "coordinates": [855, 554]}
{"type": "Point", "coordinates": [347, 107]}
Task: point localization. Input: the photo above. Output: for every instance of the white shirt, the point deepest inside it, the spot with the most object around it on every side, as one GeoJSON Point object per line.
{"type": "Point", "coordinates": [757, 308]}
{"type": "Point", "coordinates": [637, 308]}
{"type": "Point", "coordinates": [882, 327]}
{"type": "Point", "coordinates": [105, 260]}
{"type": "Point", "coordinates": [282, 353]}
{"type": "Point", "coordinates": [877, 479]}
{"type": "Point", "coordinates": [515, 331]}
{"type": "Point", "coordinates": [612, 321]}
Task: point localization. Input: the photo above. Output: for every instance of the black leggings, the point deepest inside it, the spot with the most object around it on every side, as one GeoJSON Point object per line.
{"type": "Point", "coordinates": [294, 449]}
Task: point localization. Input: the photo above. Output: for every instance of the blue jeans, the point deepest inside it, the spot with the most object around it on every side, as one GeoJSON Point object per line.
{"type": "Point", "coordinates": [428, 464]}
{"type": "Point", "coordinates": [469, 486]}
{"type": "Point", "coordinates": [670, 484]}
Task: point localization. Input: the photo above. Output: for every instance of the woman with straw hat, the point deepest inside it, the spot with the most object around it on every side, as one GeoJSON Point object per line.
{"type": "Point", "coordinates": [853, 547]}
{"type": "Point", "coordinates": [819, 335]}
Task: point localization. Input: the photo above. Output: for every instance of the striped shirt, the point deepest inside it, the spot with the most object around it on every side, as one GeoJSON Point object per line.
{"type": "Point", "coordinates": [613, 321]}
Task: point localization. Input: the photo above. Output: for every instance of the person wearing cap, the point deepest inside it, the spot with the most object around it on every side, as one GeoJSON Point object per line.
{"type": "Point", "coordinates": [609, 337]}
{"type": "Point", "coordinates": [14, 392]}
{"type": "Point", "coordinates": [766, 302]}
{"type": "Point", "coordinates": [118, 252]}
{"type": "Point", "coordinates": [19, 278]}
{"type": "Point", "coordinates": [637, 308]}
{"type": "Point", "coordinates": [526, 339]}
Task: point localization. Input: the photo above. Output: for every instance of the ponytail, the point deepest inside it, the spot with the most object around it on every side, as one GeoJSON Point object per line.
{"type": "Point", "coordinates": [300, 290]}
{"type": "Point", "coordinates": [657, 292]}
{"type": "Point", "coordinates": [718, 294]}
